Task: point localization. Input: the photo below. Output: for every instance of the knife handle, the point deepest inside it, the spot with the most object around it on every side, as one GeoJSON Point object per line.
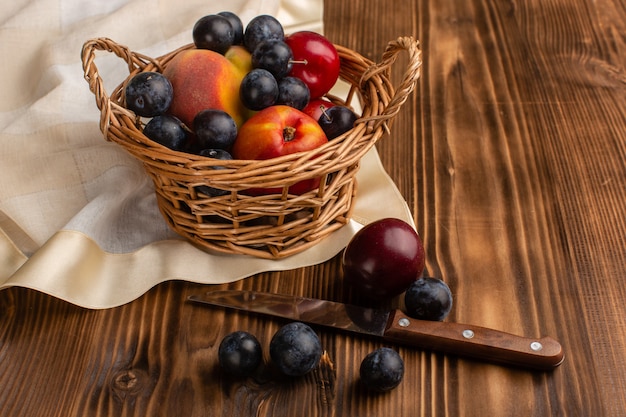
{"type": "Point", "coordinates": [474, 342]}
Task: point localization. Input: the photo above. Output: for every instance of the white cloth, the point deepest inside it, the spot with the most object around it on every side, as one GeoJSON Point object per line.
{"type": "Point", "coordinates": [78, 215]}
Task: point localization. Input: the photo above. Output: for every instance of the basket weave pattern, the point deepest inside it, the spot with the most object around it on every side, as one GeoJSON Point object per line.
{"type": "Point", "coordinates": [268, 226]}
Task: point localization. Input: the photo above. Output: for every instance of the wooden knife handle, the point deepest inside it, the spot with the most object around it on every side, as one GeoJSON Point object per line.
{"type": "Point", "coordinates": [474, 342]}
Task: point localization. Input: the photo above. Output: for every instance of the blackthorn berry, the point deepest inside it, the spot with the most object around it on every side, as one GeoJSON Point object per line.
{"type": "Point", "coordinates": [382, 370]}
{"type": "Point", "coordinates": [168, 131]}
{"type": "Point", "coordinates": [428, 299]}
{"type": "Point", "coordinates": [149, 94]}
{"type": "Point", "coordinates": [295, 349]}
{"type": "Point", "coordinates": [240, 353]}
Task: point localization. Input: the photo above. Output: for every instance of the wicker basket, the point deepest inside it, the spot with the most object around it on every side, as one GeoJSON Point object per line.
{"type": "Point", "coordinates": [269, 226]}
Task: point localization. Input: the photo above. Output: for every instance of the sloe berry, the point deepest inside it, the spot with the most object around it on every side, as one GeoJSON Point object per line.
{"type": "Point", "coordinates": [382, 370]}
{"type": "Point", "coordinates": [428, 299]}
{"type": "Point", "coordinates": [149, 94]}
{"type": "Point", "coordinates": [295, 349]}
{"type": "Point", "coordinates": [240, 353]}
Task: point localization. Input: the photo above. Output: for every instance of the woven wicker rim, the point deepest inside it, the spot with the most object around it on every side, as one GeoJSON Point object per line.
{"type": "Point", "coordinates": [177, 175]}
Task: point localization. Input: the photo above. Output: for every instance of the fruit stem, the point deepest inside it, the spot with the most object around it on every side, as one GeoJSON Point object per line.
{"type": "Point", "coordinates": [323, 109]}
{"type": "Point", "coordinates": [303, 61]}
{"type": "Point", "coordinates": [289, 133]}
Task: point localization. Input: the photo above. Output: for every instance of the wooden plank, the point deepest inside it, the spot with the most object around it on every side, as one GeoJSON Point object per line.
{"type": "Point", "coordinates": [512, 157]}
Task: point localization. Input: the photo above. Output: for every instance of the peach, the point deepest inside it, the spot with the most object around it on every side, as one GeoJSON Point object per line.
{"type": "Point", "coordinates": [203, 79]}
{"type": "Point", "coordinates": [241, 58]}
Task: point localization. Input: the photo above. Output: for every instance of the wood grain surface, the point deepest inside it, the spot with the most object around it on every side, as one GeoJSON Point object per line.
{"type": "Point", "coordinates": [512, 157]}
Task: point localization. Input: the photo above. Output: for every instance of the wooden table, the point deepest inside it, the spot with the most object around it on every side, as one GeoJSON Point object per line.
{"type": "Point", "coordinates": [512, 157]}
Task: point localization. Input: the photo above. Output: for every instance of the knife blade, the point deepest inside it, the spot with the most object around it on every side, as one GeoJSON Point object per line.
{"type": "Point", "coordinates": [394, 326]}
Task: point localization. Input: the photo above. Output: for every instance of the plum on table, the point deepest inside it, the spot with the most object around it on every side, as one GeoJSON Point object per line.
{"type": "Point", "coordinates": [382, 370]}
{"type": "Point", "coordinates": [428, 299]}
{"type": "Point", "coordinates": [240, 353]}
{"type": "Point", "coordinates": [383, 258]}
{"type": "Point", "coordinates": [295, 349]}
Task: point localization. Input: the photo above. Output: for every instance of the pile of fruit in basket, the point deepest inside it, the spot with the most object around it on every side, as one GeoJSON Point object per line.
{"type": "Point", "coordinates": [245, 93]}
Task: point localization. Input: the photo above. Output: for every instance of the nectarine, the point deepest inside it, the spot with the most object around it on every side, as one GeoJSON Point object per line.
{"type": "Point", "coordinates": [241, 58]}
{"type": "Point", "coordinates": [275, 131]}
{"type": "Point", "coordinates": [203, 79]}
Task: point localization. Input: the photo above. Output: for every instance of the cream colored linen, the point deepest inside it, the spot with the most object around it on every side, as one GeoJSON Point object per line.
{"type": "Point", "coordinates": [78, 215]}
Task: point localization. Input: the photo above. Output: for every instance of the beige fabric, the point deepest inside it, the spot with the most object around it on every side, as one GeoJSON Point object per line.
{"type": "Point", "coordinates": [78, 216]}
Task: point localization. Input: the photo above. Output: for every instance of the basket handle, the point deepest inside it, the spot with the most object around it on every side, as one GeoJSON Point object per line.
{"type": "Point", "coordinates": [406, 86]}
{"type": "Point", "coordinates": [135, 61]}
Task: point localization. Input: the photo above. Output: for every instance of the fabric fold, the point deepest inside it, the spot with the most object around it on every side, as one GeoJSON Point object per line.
{"type": "Point", "coordinates": [72, 266]}
{"type": "Point", "coordinates": [78, 215]}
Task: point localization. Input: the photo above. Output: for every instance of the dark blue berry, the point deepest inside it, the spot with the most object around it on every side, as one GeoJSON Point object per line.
{"type": "Point", "coordinates": [258, 89]}
{"type": "Point", "coordinates": [236, 24]}
{"type": "Point", "coordinates": [215, 154]}
{"type": "Point", "coordinates": [214, 129]}
{"type": "Point", "coordinates": [274, 56]}
{"type": "Point", "coordinates": [168, 131]}
{"type": "Point", "coordinates": [295, 349]}
{"type": "Point", "coordinates": [148, 94]}
{"type": "Point", "coordinates": [382, 370]}
{"type": "Point", "coordinates": [428, 299]}
{"type": "Point", "coordinates": [293, 92]}
{"type": "Point", "coordinates": [336, 121]}
{"type": "Point", "coordinates": [240, 353]}
{"type": "Point", "coordinates": [213, 32]}
{"type": "Point", "coordinates": [262, 28]}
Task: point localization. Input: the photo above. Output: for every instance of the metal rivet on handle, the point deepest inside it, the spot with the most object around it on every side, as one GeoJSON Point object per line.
{"type": "Point", "coordinates": [536, 346]}
{"type": "Point", "coordinates": [404, 322]}
{"type": "Point", "coordinates": [468, 334]}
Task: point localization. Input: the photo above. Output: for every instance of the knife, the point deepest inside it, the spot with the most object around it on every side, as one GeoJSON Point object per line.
{"type": "Point", "coordinates": [394, 326]}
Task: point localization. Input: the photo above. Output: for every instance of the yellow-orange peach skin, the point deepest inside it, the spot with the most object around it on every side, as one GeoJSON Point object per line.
{"type": "Point", "coordinates": [204, 79]}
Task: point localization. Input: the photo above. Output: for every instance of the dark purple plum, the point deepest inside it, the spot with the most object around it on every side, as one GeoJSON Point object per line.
{"type": "Point", "coordinates": [148, 94]}
{"type": "Point", "coordinates": [214, 129]}
{"type": "Point", "coordinates": [215, 154]}
{"type": "Point", "coordinates": [213, 32]}
{"type": "Point", "coordinates": [337, 120]}
{"type": "Point", "coordinates": [168, 131]}
{"type": "Point", "coordinates": [236, 24]}
{"type": "Point", "coordinates": [382, 370]}
{"type": "Point", "coordinates": [262, 28]}
{"type": "Point", "coordinates": [240, 354]}
{"type": "Point", "coordinates": [274, 56]}
{"type": "Point", "coordinates": [293, 92]}
{"type": "Point", "coordinates": [295, 349]}
{"type": "Point", "coordinates": [259, 89]}
{"type": "Point", "coordinates": [383, 258]}
{"type": "Point", "coordinates": [428, 299]}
